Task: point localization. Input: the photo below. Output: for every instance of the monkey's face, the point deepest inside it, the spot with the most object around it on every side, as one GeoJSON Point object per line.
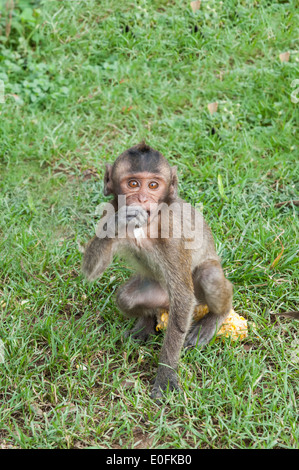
{"type": "Point", "coordinates": [144, 189]}
{"type": "Point", "coordinates": [143, 176]}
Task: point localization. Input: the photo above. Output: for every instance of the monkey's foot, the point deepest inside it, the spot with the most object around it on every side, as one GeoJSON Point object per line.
{"type": "Point", "coordinates": [143, 329]}
{"type": "Point", "coordinates": [163, 383]}
{"type": "Point", "coordinates": [203, 330]}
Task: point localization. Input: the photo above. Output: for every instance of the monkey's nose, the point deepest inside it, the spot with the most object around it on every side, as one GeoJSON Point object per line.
{"type": "Point", "coordinates": [142, 198]}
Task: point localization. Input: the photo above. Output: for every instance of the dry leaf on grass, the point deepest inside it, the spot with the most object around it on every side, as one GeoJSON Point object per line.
{"type": "Point", "coordinates": [80, 247]}
{"type": "Point", "coordinates": [195, 5]}
{"type": "Point", "coordinates": [277, 257]}
{"type": "Point", "coordinates": [284, 57]}
{"type": "Point", "coordinates": [212, 107]}
{"type": "Point", "coordinates": [36, 409]}
{"type": "Point", "coordinates": [90, 173]}
{"type": "Point", "coordinates": [69, 407]}
{"type": "Point", "coordinates": [286, 203]}
{"type": "Point", "coordinates": [126, 384]}
{"type": "Point", "coordinates": [294, 315]}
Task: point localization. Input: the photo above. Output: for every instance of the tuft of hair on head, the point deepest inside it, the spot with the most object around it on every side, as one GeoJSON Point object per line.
{"type": "Point", "coordinates": [138, 159]}
{"type": "Point", "coordinates": [143, 147]}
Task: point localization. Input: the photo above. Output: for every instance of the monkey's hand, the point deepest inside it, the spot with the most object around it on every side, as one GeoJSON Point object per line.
{"type": "Point", "coordinates": [130, 217]}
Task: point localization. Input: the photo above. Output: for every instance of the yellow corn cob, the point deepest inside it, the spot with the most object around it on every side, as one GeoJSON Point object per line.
{"type": "Point", "coordinates": [234, 326]}
{"type": "Point", "coordinates": [162, 319]}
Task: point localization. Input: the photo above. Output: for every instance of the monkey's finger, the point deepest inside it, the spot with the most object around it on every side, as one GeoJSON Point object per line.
{"type": "Point", "coordinates": [131, 216]}
{"type": "Point", "coordinates": [136, 210]}
{"type": "Point", "coordinates": [124, 211]}
{"type": "Point", "coordinates": [139, 218]}
{"type": "Point", "coordinates": [126, 214]}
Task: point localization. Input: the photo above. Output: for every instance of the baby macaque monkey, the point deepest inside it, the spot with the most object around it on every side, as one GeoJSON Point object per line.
{"type": "Point", "coordinates": [173, 251]}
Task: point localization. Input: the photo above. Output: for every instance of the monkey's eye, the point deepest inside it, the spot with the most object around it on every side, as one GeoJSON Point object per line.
{"type": "Point", "coordinates": [133, 184]}
{"type": "Point", "coordinates": [153, 185]}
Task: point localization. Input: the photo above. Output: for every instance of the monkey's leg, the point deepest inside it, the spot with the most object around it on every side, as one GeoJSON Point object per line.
{"type": "Point", "coordinates": [141, 298]}
{"type": "Point", "coordinates": [182, 302]}
{"type": "Point", "coordinates": [210, 287]}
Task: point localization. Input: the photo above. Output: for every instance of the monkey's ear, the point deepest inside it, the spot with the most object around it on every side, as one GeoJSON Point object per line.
{"type": "Point", "coordinates": [173, 189]}
{"type": "Point", "coordinates": [108, 185]}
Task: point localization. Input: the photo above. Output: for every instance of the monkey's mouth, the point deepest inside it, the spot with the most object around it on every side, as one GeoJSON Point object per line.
{"type": "Point", "coordinates": [151, 212]}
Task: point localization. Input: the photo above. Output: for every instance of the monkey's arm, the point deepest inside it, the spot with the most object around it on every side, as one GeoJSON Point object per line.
{"type": "Point", "coordinates": [97, 256]}
{"type": "Point", "coordinates": [99, 251]}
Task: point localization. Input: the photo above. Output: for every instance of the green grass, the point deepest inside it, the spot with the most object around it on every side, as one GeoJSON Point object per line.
{"type": "Point", "coordinates": [83, 81]}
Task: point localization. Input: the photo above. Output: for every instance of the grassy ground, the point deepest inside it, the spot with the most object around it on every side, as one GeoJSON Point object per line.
{"type": "Point", "coordinates": [83, 81]}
